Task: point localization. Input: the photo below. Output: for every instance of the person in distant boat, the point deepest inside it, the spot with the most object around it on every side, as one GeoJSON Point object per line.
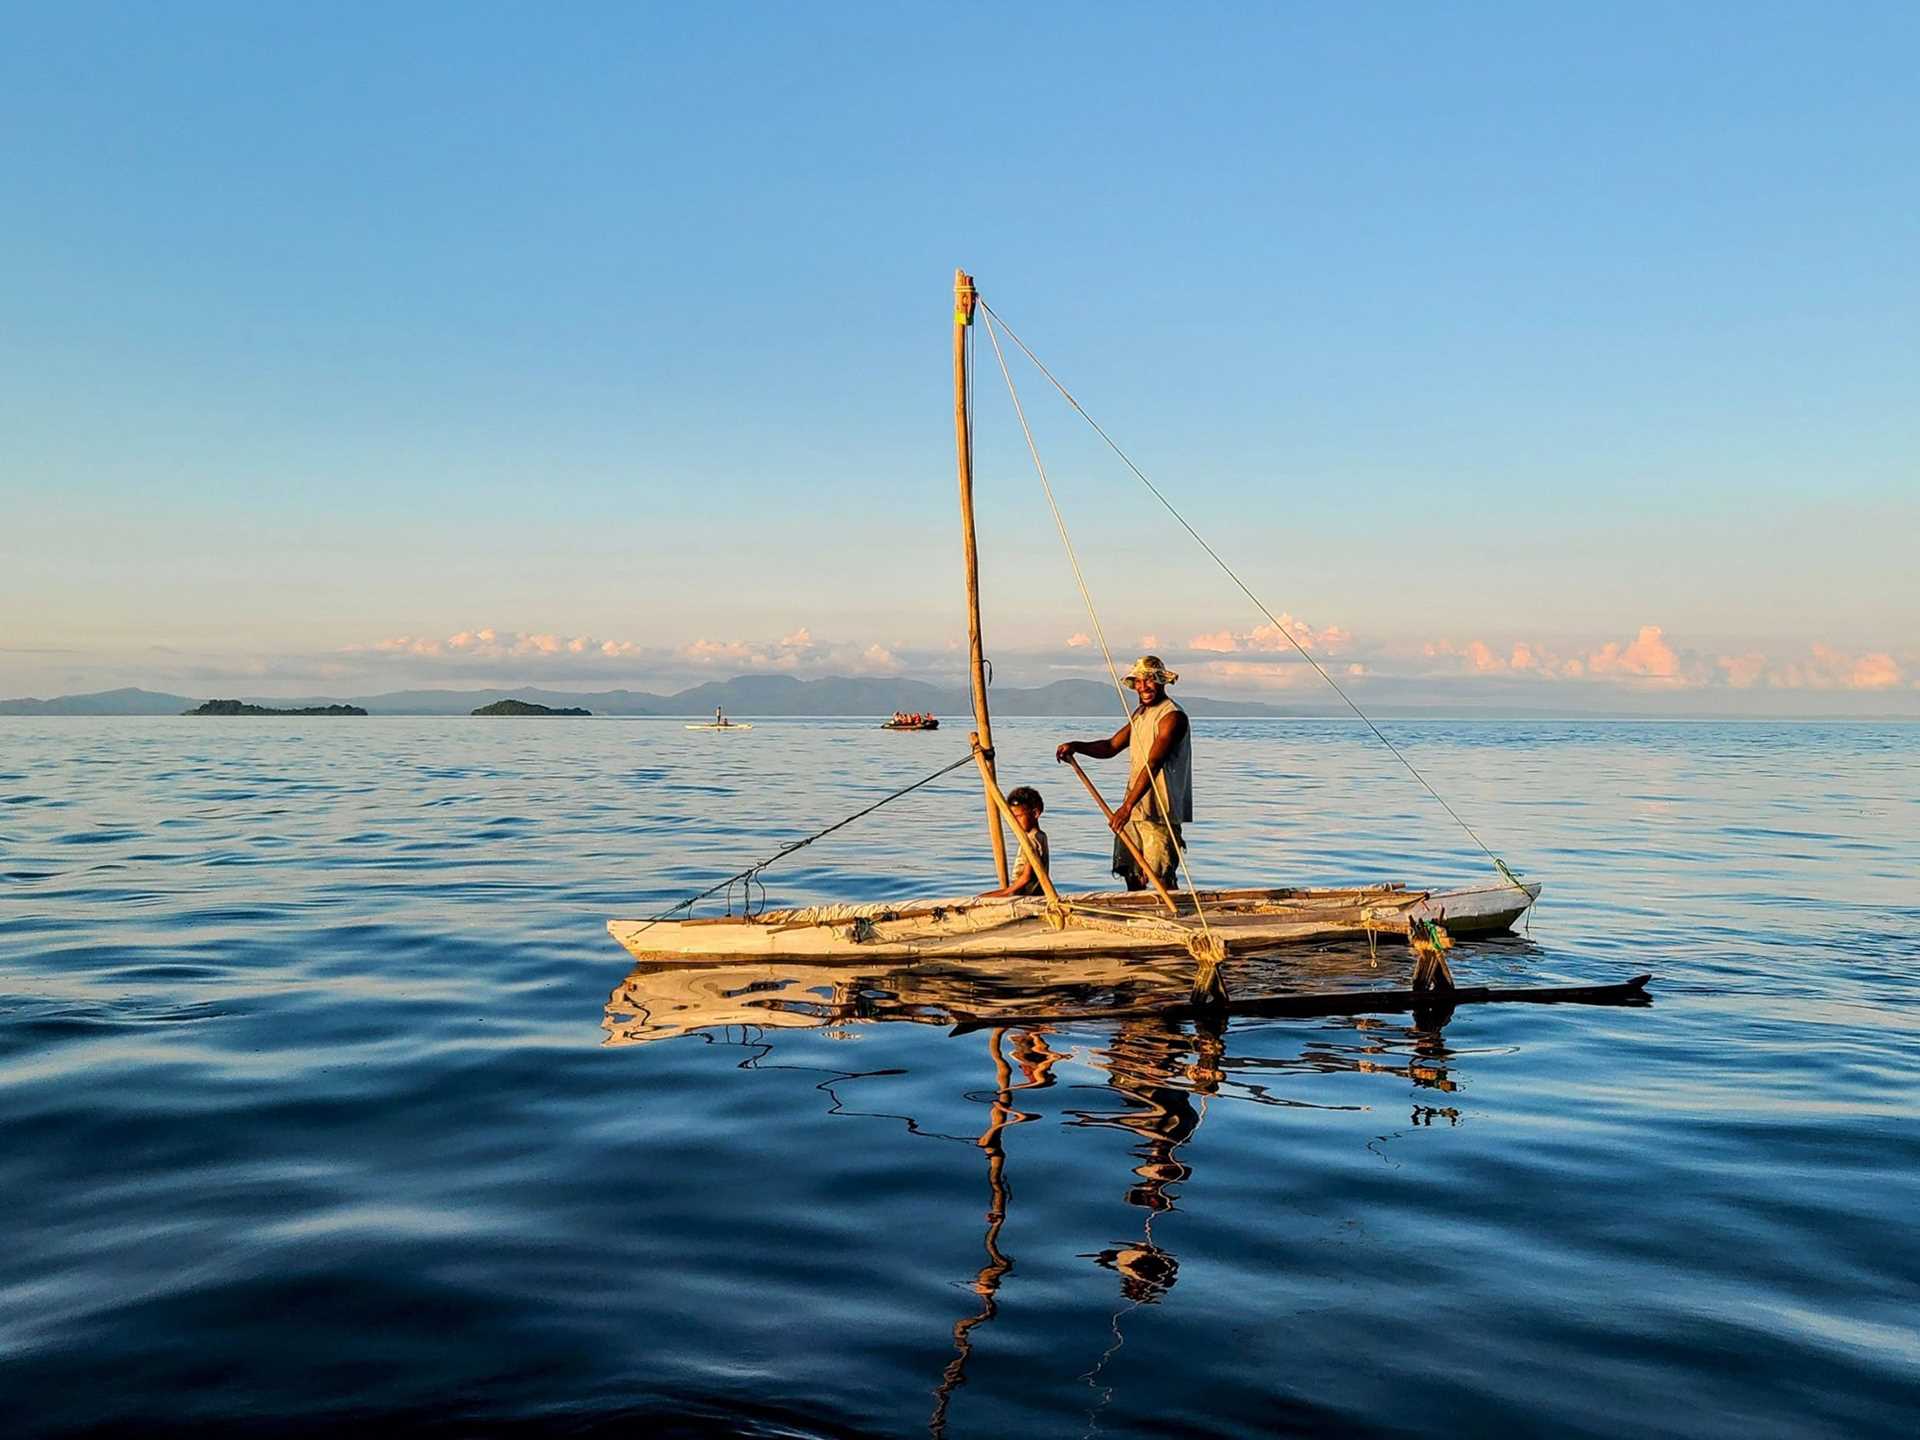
{"type": "Point", "coordinates": [1026, 806]}
{"type": "Point", "coordinates": [1158, 744]}
{"type": "Point", "coordinates": [719, 716]}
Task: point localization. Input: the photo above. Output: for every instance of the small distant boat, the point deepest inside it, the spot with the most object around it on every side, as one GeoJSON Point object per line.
{"type": "Point", "coordinates": [722, 725]}
{"type": "Point", "coordinates": [912, 722]}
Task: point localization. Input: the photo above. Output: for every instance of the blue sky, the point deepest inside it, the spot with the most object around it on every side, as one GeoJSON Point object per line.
{"type": "Point", "coordinates": [331, 334]}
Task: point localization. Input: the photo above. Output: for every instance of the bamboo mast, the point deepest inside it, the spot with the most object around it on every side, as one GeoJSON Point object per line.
{"type": "Point", "coordinates": [976, 654]}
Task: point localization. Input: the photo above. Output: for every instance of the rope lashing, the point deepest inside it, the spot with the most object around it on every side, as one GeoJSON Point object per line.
{"type": "Point", "coordinates": [751, 875]}
{"type": "Point", "coordinates": [1060, 524]}
{"type": "Point", "coordinates": [1499, 865]}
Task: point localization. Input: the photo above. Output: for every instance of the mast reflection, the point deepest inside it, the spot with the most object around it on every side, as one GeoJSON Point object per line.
{"type": "Point", "coordinates": [1036, 1060]}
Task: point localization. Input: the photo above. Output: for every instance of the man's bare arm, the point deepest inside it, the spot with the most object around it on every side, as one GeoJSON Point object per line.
{"type": "Point", "coordinates": [1096, 749]}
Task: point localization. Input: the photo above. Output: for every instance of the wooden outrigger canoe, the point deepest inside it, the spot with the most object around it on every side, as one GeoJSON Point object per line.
{"type": "Point", "coordinates": [1117, 924]}
{"type": "Point", "coordinates": [673, 993]}
{"type": "Point", "coordinates": [1211, 925]}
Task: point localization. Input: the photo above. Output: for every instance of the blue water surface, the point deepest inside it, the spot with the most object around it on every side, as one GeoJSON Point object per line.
{"type": "Point", "coordinates": [322, 1104]}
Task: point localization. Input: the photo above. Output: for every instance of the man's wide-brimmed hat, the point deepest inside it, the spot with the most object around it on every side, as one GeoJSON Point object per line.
{"type": "Point", "coordinates": [1151, 667]}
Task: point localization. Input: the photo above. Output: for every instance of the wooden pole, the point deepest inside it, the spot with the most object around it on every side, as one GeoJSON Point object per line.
{"type": "Point", "coordinates": [1125, 839]}
{"type": "Point", "coordinates": [976, 654]}
{"type": "Point", "coordinates": [998, 804]}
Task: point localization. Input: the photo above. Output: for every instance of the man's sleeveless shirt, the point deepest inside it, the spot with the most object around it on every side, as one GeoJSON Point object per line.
{"type": "Point", "coordinates": [1175, 784]}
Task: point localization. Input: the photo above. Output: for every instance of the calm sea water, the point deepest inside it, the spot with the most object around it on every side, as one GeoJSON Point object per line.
{"type": "Point", "coordinates": [325, 1100]}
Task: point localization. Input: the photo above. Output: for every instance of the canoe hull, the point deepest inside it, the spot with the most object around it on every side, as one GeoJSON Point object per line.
{"type": "Point", "coordinates": [1248, 921]}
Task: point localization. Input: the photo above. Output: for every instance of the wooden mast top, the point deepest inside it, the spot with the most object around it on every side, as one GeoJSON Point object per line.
{"type": "Point", "coordinates": [963, 300]}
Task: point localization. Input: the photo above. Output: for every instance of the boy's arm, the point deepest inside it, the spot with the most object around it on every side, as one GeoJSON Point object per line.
{"type": "Point", "coordinates": [1022, 877]}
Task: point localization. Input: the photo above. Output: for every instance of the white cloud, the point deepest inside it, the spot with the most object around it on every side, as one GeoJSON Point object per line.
{"type": "Point", "coordinates": [1329, 640]}
{"type": "Point", "coordinates": [1651, 660]}
{"type": "Point", "coordinates": [488, 643]}
{"type": "Point", "coordinates": [402, 645]}
{"type": "Point", "coordinates": [710, 652]}
{"type": "Point", "coordinates": [1254, 659]}
{"type": "Point", "coordinates": [1874, 672]}
{"type": "Point", "coordinates": [1649, 657]}
{"type": "Point", "coordinates": [1825, 667]}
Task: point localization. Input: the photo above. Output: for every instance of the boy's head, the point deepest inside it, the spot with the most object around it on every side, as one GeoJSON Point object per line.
{"type": "Point", "coordinates": [1025, 797]}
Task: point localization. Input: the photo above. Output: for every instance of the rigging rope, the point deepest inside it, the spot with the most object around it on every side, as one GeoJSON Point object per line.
{"type": "Point", "coordinates": [752, 873]}
{"type": "Point", "coordinates": [1060, 524]}
{"type": "Point", "coordinates": [1127, 460]}
{"type": "Point", "coordinates": [1213, 946]}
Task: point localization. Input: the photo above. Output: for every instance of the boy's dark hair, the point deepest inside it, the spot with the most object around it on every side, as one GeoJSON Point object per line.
{"type": "Point", "coordinates": [1028, 796]}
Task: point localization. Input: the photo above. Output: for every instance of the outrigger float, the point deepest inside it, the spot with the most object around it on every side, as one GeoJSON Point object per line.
{"type": "Point", "coordinates": [1093, 932]}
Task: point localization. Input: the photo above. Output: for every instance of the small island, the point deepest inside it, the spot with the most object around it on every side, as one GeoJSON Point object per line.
{"type": "Point", "coordinates": [237, 707]}
{"type": "Point", "coordinates": [526, 707]}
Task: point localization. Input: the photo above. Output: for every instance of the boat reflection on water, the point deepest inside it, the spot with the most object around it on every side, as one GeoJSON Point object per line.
{"type": "Point", "coordinates": [661, 999]}
{"type": "Point", "coordinates": [1163, 1072]}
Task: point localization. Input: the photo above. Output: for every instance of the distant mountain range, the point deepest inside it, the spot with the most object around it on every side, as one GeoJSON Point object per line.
{"type": "Point", "coordinates": [104, 702]}
{"type": "Point", "coordinates": [774, 695]}
{"type": "Point", "coordinates": [742, 695]}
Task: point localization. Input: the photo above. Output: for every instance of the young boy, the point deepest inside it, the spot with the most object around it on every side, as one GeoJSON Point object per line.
{"type": "Point", "coordinates": [1026, 805]}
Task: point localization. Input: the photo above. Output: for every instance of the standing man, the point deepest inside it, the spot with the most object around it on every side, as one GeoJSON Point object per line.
{"type": "Point", "coordinates": [1158, 744]}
